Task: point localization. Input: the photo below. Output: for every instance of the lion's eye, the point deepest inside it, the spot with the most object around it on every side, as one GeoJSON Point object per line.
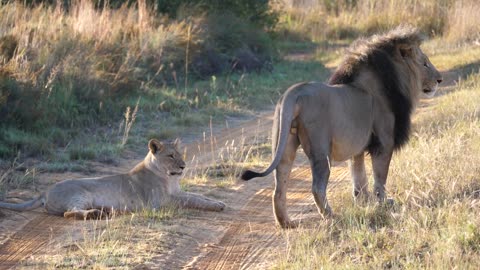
{"type": "Point", "coordinates": [425, 64]}
{"type": "Point", "coordinates": [171, 156]}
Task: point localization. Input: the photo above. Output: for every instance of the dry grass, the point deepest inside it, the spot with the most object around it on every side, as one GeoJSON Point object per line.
{"type": "Point", "coordinates": [128, 123]}
{"type": "Point", "coordinates": [453, 58]}
{"type": "Point", "coordinates": [227, 160]}
{"type": "Point", "coordinates": [463, 22]}
{"type": "Point", "coordinates": [106, 46]}
{"type": "Point", "coordinates": [326, 20]}
{"type": "Point", "coordinates": [119, 242]}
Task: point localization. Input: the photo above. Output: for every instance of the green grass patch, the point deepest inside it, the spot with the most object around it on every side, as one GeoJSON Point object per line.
{"type": "Point", "coordinates": [106, 153]}
{"type": "Point", "coordinates": [64, 166]}
{"type": "Point", "coordinates": [13, 141]}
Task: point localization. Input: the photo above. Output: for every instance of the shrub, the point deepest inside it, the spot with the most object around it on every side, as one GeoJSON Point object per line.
{"type": "Point", "coordinates": [232, 44]}
{"type": "Point", "coordinates": [257, 12]}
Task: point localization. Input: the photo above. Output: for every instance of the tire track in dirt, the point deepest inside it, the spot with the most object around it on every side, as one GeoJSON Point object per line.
{"type": "Point", "coordinates": [31, 238]}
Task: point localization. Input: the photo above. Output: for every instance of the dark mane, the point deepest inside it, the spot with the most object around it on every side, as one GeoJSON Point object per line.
{"type": "Point", "coordinates": [377, 53]}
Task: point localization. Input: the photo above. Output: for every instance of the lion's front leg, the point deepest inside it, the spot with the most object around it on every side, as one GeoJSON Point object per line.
{"type": "Point", "coordinates": [380, 164]}
{"type": "Point", "coordinates": [197, 201]}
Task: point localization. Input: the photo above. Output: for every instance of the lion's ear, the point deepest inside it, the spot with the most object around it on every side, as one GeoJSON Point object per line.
{"type": "Point", "coordinates": [405, 50]}
{"type": "Point", "coordinates": [155, 146]}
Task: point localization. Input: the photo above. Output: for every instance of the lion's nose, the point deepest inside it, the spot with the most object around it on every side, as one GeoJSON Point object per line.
{"type": "Point", "coordinates": [440, 80]}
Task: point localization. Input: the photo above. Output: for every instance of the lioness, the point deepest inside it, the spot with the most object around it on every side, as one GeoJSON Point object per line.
{"type": "Point", "coordinates": [152, 183]}
{"type": "Point", "coordinates": [366, 107]}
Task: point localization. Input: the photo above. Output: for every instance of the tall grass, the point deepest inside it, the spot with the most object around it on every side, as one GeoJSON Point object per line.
{"type": "Point", "coordinates": [463, 21]}
{"type": "Point", "coordinates": [323, 20]}
{"type": "Point", "coordinates": [81, 58]}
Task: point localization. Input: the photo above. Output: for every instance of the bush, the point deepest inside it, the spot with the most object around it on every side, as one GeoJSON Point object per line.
{"type": "Point", "coordinates": [232, 44]}
{"type": "Point", "coordinates": [257, 12]}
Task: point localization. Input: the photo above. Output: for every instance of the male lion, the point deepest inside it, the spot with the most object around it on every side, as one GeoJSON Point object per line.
{"type": "Point", "coordinates": [366, 107]}
{"type": "Point", "coordinates": [152, 183]}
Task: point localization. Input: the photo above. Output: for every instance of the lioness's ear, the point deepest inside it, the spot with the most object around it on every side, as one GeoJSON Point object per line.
{"type": "Point", "coordinates": [405, 50]}
{"type": "Point", "coordinates": [155, 146]}
{"type": "Point", "coordinates": [177, 142]}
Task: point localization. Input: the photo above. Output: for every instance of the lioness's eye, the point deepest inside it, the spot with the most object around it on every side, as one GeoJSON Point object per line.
{"type": "Point", "coordinates": [171, 156]}
{"type": "Point", "coordinates": [425, 64]}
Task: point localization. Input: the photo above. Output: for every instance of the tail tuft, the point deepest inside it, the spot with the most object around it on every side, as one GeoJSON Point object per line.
{"type": "Point", "coordinates": [247, 175]}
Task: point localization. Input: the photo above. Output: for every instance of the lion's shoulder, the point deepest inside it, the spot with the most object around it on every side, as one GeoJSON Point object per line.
{"type": "Point", "coordinates": [393, 59]}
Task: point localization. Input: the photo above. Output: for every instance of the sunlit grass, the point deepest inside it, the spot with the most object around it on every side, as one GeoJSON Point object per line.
{"type": "Point", "coordinates": [331, 20]}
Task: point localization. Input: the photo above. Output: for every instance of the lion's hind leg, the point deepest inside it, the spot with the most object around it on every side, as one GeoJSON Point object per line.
{"type": "Point", "coordinates": [281, 175]}
{"type": "Point", "coordinates": [313, 142]}
{"type": "Point", "coordinates": [321, 173]}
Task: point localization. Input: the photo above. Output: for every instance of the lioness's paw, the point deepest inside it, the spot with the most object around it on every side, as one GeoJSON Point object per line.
{"type": "Point", "coordinates": [219, 206]}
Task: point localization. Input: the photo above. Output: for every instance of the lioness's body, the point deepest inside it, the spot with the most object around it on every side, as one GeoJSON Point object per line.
{"type": "Point", "coordinates": [151, 184]}
{"type": "Point", "coordinates": [138, 189]}
{"type": "Point", "coordinates": [366, 108]}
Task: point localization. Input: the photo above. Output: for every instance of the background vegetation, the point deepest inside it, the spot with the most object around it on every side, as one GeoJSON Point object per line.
{"type": "Point", "coordinates": [65, 67]}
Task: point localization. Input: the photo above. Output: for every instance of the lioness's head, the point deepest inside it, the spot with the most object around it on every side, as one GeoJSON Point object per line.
{"type": "Point", "coordinates": [164, 158]}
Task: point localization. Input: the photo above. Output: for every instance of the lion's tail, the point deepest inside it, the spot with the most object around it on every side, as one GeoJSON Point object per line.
{"type": "Point", "coordinates": [248, 174]}
{"type": "Point", "coordinates": [287, 111]}
{"type": "Point", "coordinates": [30, 205]}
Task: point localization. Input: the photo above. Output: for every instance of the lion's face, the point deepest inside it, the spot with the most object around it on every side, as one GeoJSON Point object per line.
{"type": "Point", "coordinates": [430, 77]}
{"type": "Point", "coordinates": [166, 158]}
